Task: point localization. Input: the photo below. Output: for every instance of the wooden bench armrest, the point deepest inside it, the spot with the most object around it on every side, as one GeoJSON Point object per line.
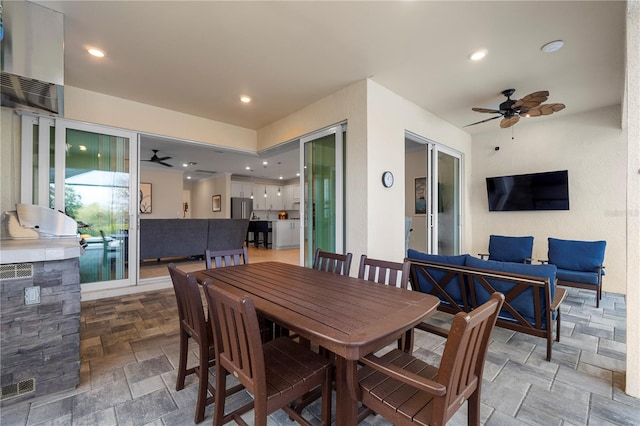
{"type": "Point", "coordinates": [561, 293]}
{"type": "Point", "coordinates": [418, 382]}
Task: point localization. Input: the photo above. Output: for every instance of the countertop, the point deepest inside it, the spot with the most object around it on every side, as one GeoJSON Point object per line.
{"type": "Point", "coordinates": [38, 250]}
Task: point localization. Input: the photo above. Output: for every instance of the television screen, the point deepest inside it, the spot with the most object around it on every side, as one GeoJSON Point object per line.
{"type": "Point", "coordinates": [535, 191]}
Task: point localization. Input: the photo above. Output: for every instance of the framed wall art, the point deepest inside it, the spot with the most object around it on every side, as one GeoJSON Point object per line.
{"type": "Point", "coordinates": [420, 195]}
{"type": "Point", "coordinates": [216, 203]}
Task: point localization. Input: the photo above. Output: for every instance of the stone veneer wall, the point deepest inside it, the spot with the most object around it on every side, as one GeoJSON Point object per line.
{"type": "Point", "coordinates": [41, 341]}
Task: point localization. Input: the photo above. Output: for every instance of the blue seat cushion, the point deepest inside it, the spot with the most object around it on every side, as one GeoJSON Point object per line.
{"type": "Point", "coordinates": [510, 249]}
{"type": "Point", "coordinates": [585, 256]}
{"type": "Point", "coordinates": [452, 287]}
{"type": "Point", "coordinates": [577, 276]}
{"type": "Point", "coordinates": [523, 303]}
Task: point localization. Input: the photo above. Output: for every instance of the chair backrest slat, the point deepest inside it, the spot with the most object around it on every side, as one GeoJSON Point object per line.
{"type": "Point", "coordinates": [332, 262]}
{"type": "Point", "coordinates": [222, 258]}
{"type": "Point", "coordinates": [395, 274]}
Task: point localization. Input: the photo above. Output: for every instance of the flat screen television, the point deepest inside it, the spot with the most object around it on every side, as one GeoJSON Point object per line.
{"type": "Point", "coordinates": [534, 191]}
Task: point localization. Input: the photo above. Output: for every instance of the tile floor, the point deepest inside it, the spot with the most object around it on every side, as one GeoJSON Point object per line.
{"type": "Point", "coordinates": [129, 355]}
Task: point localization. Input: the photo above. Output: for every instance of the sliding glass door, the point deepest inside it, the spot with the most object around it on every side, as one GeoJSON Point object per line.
{"type": "Point", "coordinates": [433, 209]}
{"type": "Point", "coordinates": [322, 180]}
{"type": "Point", "coordinates": [85, 171]}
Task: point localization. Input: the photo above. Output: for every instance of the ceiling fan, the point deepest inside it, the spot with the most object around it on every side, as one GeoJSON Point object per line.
{"type": "Point", "coordinates": [159, 160]}
{"type": "Point", "coordinates": [511, 110]}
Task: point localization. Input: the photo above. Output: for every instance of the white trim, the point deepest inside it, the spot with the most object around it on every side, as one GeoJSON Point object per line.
{"type": "Point", "coordinates": [26, 159]}
{"type": "Point", "coordinates": [44, 144]}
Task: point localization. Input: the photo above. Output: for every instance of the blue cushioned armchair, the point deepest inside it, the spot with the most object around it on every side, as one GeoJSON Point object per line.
{"type": "Point", "coordinates": [509, 249]}
{"type": "Point", "coordinates": [579, 263]}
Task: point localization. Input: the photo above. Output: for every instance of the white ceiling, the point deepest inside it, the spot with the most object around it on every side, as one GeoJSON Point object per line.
{"type": "Point", "coordinates": [199, 57]}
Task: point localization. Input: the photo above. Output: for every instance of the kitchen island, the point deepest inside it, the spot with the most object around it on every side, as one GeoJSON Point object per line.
{"type": "Point", "coordinates": [286, 233]}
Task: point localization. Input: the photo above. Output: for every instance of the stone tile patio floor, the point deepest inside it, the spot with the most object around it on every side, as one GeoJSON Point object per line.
{"type": "Point", "coordinates": [129, 349]}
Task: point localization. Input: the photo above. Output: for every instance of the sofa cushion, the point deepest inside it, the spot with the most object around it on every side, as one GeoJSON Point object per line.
{"type": "Point", "coordinates": [577, 276]}
{"type": "Point", "coordinates": [584, 256]}
{"type": "Point", "coordinates": [510, 249]}
{"type": "Point", "coordinates": [452, 287]}
{"type": "Point", "coordinates": [523, 303]}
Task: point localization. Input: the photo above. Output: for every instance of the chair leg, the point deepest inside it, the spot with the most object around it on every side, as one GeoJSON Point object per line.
{"type": "Point", "coordinates": [326, 399]}
{"type": "Point", "coordinates": [473, 407]}
{"type": "Point", "coordinates": [182, 363]}
{"type": "Point", "coordinates": [220, 396]}
{"type": "Point", "coordinates": [203, 384]}
{"type": "Point", "coordinates": [558, 325]}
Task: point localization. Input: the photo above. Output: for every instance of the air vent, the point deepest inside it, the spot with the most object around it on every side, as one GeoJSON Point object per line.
{"type": "Point", "coordinates": [205, 171]}
{"type": "Point", "coordinates": [15, 271]}
{"type": "Point", "coordinates": [22, 91]}
{"type": "Point", "coordinates": [17, 389]}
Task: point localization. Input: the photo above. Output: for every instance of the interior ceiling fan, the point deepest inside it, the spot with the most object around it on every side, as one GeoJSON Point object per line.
{"type": "Point", "coordinates": [160, 160]}
{"type": "Point", "coordinates": [511, 111]}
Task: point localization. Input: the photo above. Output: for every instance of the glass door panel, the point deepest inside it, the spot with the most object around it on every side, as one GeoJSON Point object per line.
{"type": "Point", "coordinates": [97, 196]}
{"type": "Point", "coordinates": [322, 185]}
{"type": "Point", "coordinates": [448, 204]}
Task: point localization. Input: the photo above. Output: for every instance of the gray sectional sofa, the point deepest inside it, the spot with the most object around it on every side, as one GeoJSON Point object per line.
{"type": "Point", "coordinates": [161, 238]}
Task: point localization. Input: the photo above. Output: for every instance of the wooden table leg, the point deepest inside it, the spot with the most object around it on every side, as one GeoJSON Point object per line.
{"type": "Point", "coordinates": [346, 406]}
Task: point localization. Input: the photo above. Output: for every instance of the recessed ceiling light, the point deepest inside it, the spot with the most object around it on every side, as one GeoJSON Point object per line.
{"type": "Point", "coordinates": [248, 168]}
{"type": "Point", "coordinates": [478, 54]}
{"type": "Point", "coordinates": [188, 177]}
{"type": "Point", "coordinates": [96, 52]}
{"type": "Point", "coordinates": [297, 174]}
{"type": "Point", "coordinates": [245, 99]}
{"type": "Point", "coordinates": [185, 165]}
{"type": "Point", "coordinates": [280, 177]}
{"type": "Point", "coordinates": [264, 163]}
{"type": "Point", "coordinates": [552, 46]}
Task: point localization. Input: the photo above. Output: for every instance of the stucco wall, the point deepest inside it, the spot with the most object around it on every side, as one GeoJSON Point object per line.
{"type": "Point", "coordinates": [388, 117]}
{"type": "Point", "coordinates": [633, 198]}
{"type": "Point", "coordinates": [92, 107]}
{"type": "Point", "coordinates": [591, 146]}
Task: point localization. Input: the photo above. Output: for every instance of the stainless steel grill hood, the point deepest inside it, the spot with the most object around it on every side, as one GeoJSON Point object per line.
{"type": "Point", "coordinates": [32, 74]}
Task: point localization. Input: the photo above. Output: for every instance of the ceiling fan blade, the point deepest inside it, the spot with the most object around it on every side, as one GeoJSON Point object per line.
{"type": "Point", "coordinates": [545, 109]}
{"type": "Point", "coordinates": [509, 121]}
{"type": "Point", "coordinates": [164, 164]}
{"type": "Point", "coordinates": [162, 159]}
{"type": "Point", "coordinates": [483, 121]}
{"type": "Point", "coordinates": [531, 100]}
{"type": "Point", "coordinates": [490, 111]}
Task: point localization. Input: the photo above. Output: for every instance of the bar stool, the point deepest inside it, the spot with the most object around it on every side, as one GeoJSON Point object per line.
{"type": "Point", "coordinates": [263, 229]}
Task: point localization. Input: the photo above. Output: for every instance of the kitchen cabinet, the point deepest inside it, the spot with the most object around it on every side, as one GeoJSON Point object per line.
{"type": "Point", "coordinates": [291, 197]}
{"type": "Point", "coordinates": [286, 234]}
{"type": "Point", "coordinates": [274, 201]}
{"type": "Point", "coordinates": [241, 189]}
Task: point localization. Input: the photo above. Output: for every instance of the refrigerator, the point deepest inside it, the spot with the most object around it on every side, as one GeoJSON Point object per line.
{"type": "Point", "coordinates": [241, 208]}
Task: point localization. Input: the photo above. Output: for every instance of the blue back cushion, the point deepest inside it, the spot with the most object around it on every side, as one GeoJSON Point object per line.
{"type": "Point", "coordinates": [573, 255]}
{"type": "Point", "coordinates": [523, 303]}
{"type": "Point", "coordinates": [423, 284]}
{"type": "Point", "coordinates": [510, 249]}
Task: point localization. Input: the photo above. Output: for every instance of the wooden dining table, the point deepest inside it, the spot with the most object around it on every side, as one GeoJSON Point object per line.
{"type": "Point", "coordinates": [348, 316]}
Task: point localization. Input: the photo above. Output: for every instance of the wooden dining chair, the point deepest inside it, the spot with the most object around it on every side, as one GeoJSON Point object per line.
{"type": "Point", "coordinates": [193, 325]}
{"type": "Point", "coordinates": [332, 262]}
{"type": "Point", "coordinates": [407, 390]}
{"type": "Point", "coordinates": [231, 257]}
{"type": "Point", "coordinates": [222, 258]}
{"type": "Point", "coordinates": [275, 373]}
{"type": "Point", "coordinates": [395, 274]}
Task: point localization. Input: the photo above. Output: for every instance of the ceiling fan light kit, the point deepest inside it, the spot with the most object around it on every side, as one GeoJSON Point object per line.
{"type": "Point", "coordinates": [511, 110]}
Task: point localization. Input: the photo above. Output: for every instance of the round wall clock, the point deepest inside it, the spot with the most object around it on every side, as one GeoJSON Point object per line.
{"type": "Point", "coordinates": [387, 179]}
